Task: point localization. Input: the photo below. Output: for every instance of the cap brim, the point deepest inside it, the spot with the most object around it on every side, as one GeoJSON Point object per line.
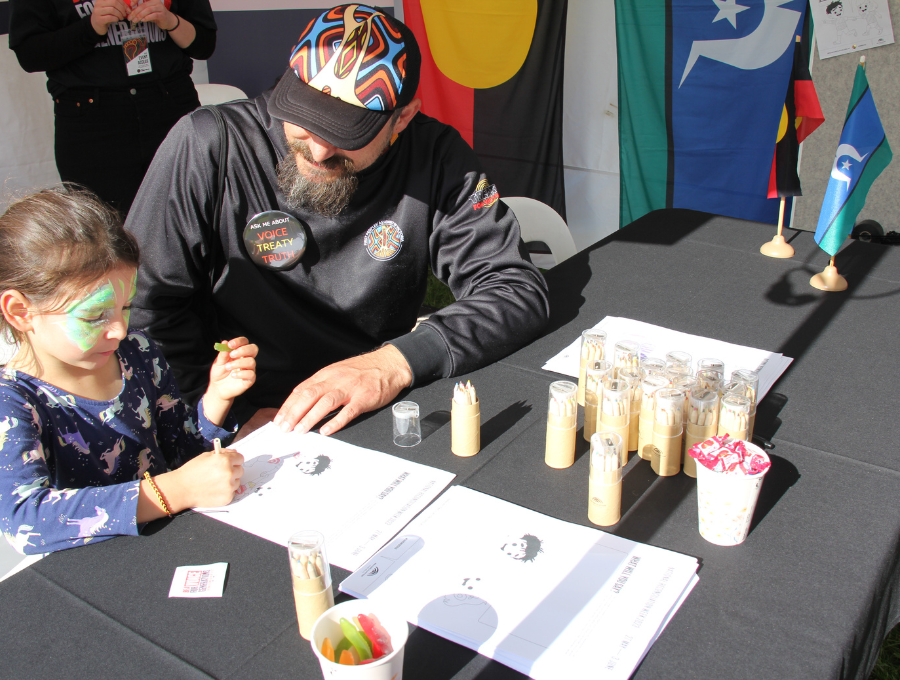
{"type": "Point", "coordinates": [339, 123]}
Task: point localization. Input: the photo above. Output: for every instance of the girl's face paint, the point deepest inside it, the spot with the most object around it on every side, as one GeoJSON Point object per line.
{"type": "Point", "coordinates": [91, 326]}
{"type": "Point", "coordinates": [86, 319]}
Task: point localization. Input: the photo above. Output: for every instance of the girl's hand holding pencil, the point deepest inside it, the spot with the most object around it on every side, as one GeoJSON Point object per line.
{"type": "Point", "coordinates": [208, 481]}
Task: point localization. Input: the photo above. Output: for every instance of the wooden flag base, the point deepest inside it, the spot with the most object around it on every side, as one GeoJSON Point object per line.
{"type": "Point", "coordinates": [829, 280]}
{"type": "Point", "coordinates": [777, 247]}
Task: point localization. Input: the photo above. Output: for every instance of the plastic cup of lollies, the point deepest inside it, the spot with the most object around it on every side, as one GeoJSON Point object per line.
{"type": "Point", "coordinates": [726, 499]}
{"type": "Point", "coordinates": [387, 667]}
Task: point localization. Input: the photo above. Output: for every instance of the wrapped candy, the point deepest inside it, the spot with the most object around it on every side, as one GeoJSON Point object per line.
{"type": "Point", "coordinates": [731, 456]}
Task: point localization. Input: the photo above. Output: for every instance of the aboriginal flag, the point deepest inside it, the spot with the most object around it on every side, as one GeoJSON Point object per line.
{"type": "Point", "coordinates": [701, 90]}
{"type": "Point", "coordinates": [494, 71]}
{"type": "Point", "coordinates": [801, 106]}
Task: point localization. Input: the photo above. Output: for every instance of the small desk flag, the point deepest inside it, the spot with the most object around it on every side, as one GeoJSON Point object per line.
{"type": "Point", "coordinates": [862, 154]}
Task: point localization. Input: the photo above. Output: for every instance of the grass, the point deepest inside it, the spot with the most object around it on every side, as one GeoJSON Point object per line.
{"type": "Point", "coordinates": [438, 295]}
{"type": "Point", "coordinates": [888, 665]}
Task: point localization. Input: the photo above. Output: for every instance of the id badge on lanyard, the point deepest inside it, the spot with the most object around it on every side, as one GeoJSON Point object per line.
{"type": "Point", "coordinates": [135, 46]}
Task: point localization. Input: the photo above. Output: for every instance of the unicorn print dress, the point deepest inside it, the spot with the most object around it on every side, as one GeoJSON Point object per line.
{"type": "Point", "coordinates": [70, 468]}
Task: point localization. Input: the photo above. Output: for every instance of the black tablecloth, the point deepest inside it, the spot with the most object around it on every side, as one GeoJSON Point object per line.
{"type": "Point", "coordinates": [810, 594]}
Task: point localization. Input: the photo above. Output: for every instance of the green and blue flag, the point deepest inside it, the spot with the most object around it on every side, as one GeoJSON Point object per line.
{"type": "Point", "coordinates": [702, 87]}
{"type": "Point", "coordinates": [862, 154]}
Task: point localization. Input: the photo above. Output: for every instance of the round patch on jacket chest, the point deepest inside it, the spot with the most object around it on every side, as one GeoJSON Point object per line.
{"type": "Point", "coordinates": [384, 240]}
{"type": "Point", "coordinates": [275, 240]}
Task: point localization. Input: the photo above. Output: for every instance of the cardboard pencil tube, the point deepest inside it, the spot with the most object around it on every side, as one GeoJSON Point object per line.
{"type": "Point", "coordinates": [633, 424]}
{"type": "Point", "coordinates": [694, 434]}
{"type": "Point", "coordinates": [311, 599]}
{"type": "Point", "coordinates": [645, 434]}
{"type": "Point", "coordinates": [590, 415]}
{"type": "Point", "coordinates": [666, 450]}
{"type": "Point", "coordinates": [737, 428]}
{"type": "Point", "coordinates": [605, 498]}
{"type": "Point", "coordinates": [465, 428]}
{"type": "Point", "coordinates": [582, 378]}
{"type": "Point", "coordinates": [560, 451]}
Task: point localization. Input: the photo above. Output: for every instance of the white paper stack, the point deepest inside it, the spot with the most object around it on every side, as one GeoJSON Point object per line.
{"type": "Point", "coordinates": [357, 498]}
{"type": "Point", "coordinates": [656, 341]}
{"type": "Point", "coordinates": [545, 597]}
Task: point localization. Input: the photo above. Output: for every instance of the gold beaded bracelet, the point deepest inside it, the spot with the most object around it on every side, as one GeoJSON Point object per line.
{"type": "Point", "coordinates": [162, 501]}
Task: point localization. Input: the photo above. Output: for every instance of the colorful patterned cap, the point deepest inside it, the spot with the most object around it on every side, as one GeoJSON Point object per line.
{"type": "Point", "coordinates": [352, 66]}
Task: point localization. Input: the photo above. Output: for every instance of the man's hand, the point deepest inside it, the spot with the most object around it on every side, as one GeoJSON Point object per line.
{"type": "Point", "coordinates": [359, 384]}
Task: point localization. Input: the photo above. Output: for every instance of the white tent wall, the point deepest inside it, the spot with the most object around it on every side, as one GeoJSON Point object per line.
{"type": "Point", "coordinates": [26, 121]}
{"type": "Point", "coordinates": [591, 121]}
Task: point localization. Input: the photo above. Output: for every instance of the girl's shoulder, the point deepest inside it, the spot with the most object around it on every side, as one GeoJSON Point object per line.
{"type": "Point", "coordinates": [21, 394]}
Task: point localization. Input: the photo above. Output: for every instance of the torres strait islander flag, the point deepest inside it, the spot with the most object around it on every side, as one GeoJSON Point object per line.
{"type": "Point", "coordinates": [493, 69]}
{"type": "Point", "coordinates": [862, 154]}
{"type": "Point", "coordinates": [702, 87]}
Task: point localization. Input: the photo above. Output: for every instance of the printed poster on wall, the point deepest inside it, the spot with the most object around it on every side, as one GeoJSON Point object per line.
{"type": "Point", "coordinates": [844, 26]}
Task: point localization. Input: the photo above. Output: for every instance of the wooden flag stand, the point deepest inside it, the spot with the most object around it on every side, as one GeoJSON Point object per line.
{"type": "Point", "coordinates": [778, 247]}
{"type": "Point", "coordinates": [829, 279]}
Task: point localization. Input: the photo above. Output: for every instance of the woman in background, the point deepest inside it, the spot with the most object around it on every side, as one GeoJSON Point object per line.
{"type": "Point", "coordinates": [120, 77]}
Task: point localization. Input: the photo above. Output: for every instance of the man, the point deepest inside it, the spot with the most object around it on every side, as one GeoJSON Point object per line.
{"type": "Point", "coordinates": [337, 158]}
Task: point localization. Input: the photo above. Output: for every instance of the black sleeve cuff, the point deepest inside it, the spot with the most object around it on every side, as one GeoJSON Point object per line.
{"type": "Point", "coordinates": [204, 43]}
{"type": "Point", "coordinates": [426, 353]}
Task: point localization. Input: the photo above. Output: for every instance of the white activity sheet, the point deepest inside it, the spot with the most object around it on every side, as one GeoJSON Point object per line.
{"type": "Point", "coordinates": [851, 25]}
{"type": "Point", "coordinates": [656, 341]}
{"type": "Point", "coordinates": [357, 498]}
{"type": "Point", "coordinates": [548, 598]}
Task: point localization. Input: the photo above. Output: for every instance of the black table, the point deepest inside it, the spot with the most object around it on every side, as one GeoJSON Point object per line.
{"type": "Point", "coordinates": [810, 594]}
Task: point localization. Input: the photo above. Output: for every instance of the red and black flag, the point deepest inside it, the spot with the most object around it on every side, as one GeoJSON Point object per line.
{"type": "Point", "coordinates": [800, 116]}
{"type": "Point", "coordinates": [495, 73]}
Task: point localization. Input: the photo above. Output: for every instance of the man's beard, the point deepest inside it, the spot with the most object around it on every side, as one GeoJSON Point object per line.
{"type": "Point", "coordinates": [326, 192]}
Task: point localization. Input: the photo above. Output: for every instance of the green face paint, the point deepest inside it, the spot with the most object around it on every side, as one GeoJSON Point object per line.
{"type": "Point", "coordinates": [86, 319]}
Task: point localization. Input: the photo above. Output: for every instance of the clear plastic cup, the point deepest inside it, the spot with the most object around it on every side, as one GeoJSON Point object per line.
{"type": "Point", "coordinates": [407, 427]}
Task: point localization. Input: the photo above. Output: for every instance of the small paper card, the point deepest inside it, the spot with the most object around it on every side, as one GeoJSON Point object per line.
{"type": "Point", "coordinates": [206, 580]}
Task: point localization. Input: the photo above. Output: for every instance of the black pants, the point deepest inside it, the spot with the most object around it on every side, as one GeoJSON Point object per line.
{"type": "Point", "coordinates": [105, 139]}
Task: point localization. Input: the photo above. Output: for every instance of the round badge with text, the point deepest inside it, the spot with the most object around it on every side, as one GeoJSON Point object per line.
{"type": "Point", "coordinates": [275, 240]}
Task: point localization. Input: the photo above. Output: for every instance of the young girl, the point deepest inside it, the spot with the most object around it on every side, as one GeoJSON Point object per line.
{"type": "Point", "coordinates": [86, 409]}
